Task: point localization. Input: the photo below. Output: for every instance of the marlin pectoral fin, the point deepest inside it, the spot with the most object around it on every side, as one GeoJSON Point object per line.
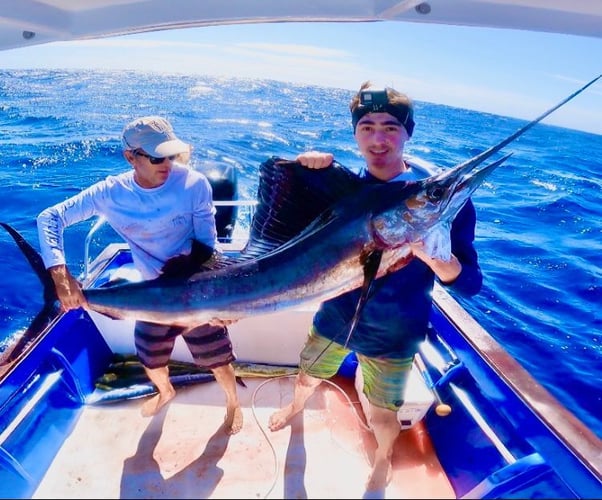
{"type": "Point", "coordinates": [371, 264]}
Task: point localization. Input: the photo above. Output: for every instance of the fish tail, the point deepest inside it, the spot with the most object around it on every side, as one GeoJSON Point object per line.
{"type": "Point", "coordinates": [49, 309]}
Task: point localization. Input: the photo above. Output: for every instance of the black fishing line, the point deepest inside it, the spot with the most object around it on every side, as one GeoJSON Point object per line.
{"type": "Point", "coordinates": [370, 269]}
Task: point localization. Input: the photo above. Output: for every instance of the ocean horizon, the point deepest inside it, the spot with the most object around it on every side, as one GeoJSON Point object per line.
{"type": "Point", "coordinates": [539, 216]}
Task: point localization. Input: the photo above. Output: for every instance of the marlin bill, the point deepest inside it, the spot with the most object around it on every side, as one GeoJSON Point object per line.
{"type": "Point", "coordinates": [312, 237]}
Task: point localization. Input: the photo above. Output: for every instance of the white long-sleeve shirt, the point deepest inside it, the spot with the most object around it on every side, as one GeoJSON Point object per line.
{"type": "Point", "coordinates": [157, 223]}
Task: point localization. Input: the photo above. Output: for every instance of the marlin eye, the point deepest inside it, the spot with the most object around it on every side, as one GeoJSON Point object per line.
{"type": "Point", "coordinates": [436, 193]}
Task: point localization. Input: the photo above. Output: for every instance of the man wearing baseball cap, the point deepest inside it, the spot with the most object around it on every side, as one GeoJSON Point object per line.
{"type": "Point", "coordinates": [163, 210]}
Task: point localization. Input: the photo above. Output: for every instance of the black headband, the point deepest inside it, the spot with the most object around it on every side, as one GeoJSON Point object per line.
{"type": "Point", "coordinates": [377, 101]}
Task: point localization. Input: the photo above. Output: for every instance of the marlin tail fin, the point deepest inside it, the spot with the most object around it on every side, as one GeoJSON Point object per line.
{"type": "Point", "coordinates": [49, 310]}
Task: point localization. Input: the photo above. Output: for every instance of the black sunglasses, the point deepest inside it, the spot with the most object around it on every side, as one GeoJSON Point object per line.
{"type": "Point", "coordinates": [153, 159]}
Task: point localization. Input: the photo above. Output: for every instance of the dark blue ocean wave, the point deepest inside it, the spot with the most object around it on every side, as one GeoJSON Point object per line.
{"type": "Point", "coordinates": [539, 231]}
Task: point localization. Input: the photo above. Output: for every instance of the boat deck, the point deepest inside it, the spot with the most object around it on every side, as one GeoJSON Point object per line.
{"type": "Point", "coordinates": [182, 452]}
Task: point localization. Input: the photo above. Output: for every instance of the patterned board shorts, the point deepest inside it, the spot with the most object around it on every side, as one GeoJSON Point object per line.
{"type": "Point", "coordinates": [384, 378]}
{"type": "Point", "coordinates": [209, 345]}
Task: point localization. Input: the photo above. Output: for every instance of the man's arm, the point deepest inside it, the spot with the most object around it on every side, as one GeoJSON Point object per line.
{"type": "Point", "coordinates": [470, 279]}
{"type": "Point", "coordinates": [68, 289]}
{"type": "Point", "coordinates": [51, 224]}
{"type": "Point", "coordinates": [446, 270]}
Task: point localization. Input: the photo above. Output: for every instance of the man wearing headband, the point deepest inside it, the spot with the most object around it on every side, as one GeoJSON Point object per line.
{"type": "Point", "coordinates": [394, 321]}
{"type": "Point", "coordinates": [164, 211]}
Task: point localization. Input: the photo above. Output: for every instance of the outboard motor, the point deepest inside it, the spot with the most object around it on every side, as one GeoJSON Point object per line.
{"type": "Point", "coordinates": [224, 182]}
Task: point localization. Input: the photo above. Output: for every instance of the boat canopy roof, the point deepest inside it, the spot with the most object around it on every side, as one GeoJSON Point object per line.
{"type": "Point", "coordinates": [31, 22]}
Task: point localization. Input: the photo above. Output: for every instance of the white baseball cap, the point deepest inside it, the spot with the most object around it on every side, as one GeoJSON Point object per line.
{"type": "Point", "coordinates": [154, 135]}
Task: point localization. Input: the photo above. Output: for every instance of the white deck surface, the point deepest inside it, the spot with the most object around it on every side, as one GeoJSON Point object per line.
{"type": "Point", "coordinates": [183, 453]}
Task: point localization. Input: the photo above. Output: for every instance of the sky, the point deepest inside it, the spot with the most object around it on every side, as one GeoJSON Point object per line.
{"type": "Point", "coordinates": [505, 72]}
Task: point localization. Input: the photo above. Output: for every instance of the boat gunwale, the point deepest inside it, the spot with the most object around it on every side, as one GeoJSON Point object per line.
{"type": "Point", "coordinates": [566, 427]}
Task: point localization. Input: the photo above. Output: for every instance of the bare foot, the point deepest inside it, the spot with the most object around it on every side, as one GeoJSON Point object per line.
{"type": "Point", "coordinates": [153, 405]}
{"type": "Point", "coordinates": [379, 477]}
{"type": "Point", "coordinates": [280, 418]}
{"type": "Point", "coordinates": [233, 420]}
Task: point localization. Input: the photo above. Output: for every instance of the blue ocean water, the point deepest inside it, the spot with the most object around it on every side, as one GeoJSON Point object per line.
{"type": "Point", "coordinates": [539, 232]}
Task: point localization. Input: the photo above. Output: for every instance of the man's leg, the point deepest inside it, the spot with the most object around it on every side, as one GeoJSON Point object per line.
{"type": "Point", "coordinates": [386, 428]}
{"type": "Point", "coordinates": [384, 385]}
{"type": "Point", "coordinates": [305, 386]}
{"type": "Point", "coordinates": [159, 377]}
{"type": "Point", "coordinates": [224, 375]}
{"type": "Point", "coordinates": [320, 359]}
{"type": "Point", "coordinates": [154, 344]}
{"type": "Point", "coordinates": [211, 347]}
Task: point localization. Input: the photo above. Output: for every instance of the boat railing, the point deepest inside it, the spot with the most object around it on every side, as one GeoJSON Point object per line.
{"type": "Point", "coordinates": [447, 372]}
{"type": "Point", "coordinates": [234, 242]}
{"type": "Point", "coordinates": [480, 354]}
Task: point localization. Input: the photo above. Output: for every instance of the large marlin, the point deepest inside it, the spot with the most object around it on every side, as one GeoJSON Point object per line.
{"type": "Point", "coordinates": [315, 235]}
